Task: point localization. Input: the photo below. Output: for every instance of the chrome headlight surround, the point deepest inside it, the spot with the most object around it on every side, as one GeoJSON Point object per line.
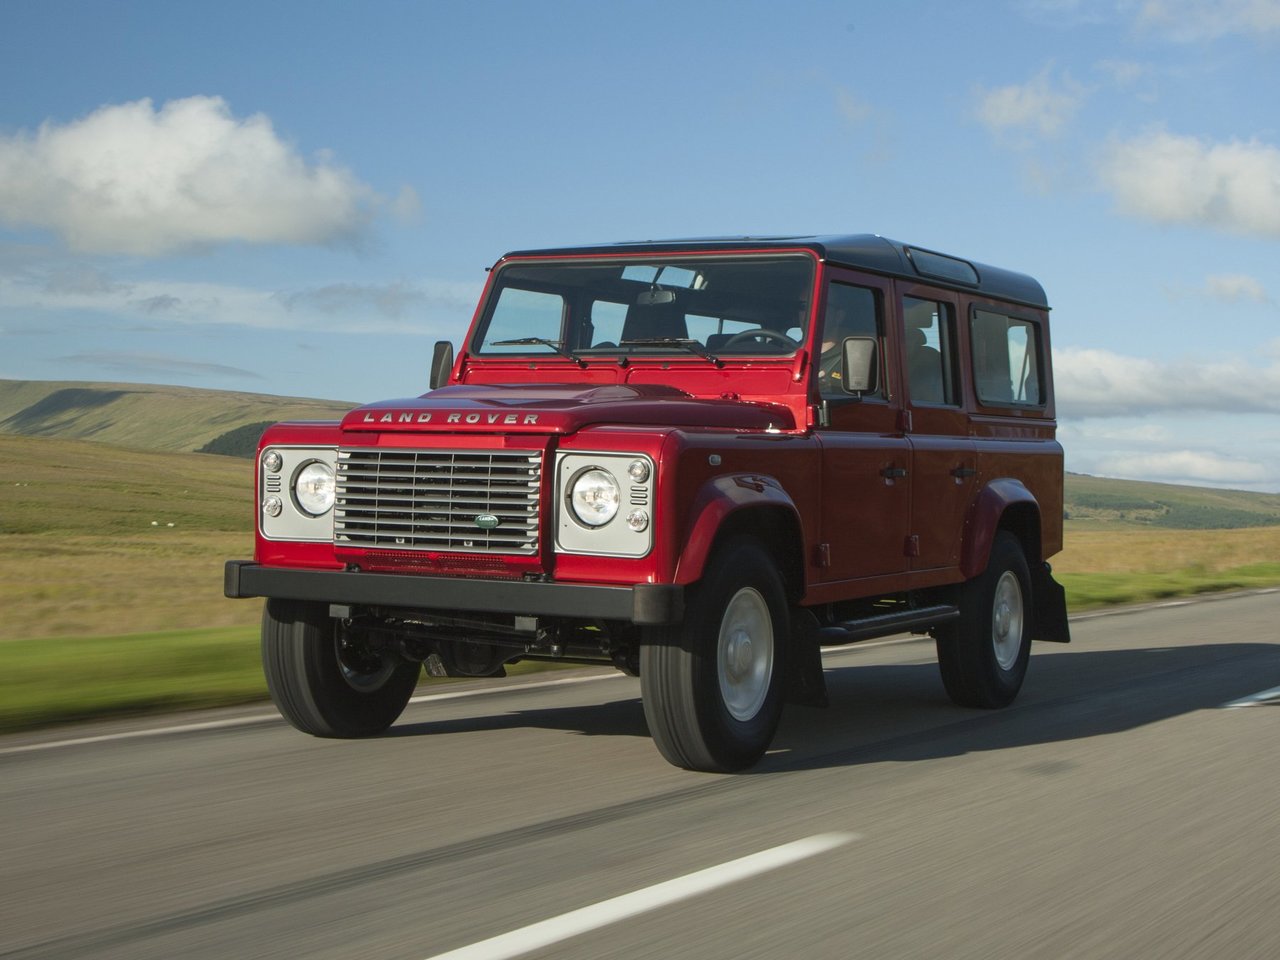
{"type": "Point", "coordinates": [296, 492]}
{"type": "Point", "coordinates": [604, 502]}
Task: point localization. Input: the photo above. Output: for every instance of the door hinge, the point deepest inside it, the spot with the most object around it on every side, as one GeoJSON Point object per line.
{"type": "Point", "coordinates": [911, 546]}
{"type": "Point", "coordinates": [822, 555]}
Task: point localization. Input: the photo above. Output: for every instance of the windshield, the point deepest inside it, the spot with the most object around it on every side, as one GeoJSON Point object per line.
{"type": "Point", "coordinates": [695, 306]}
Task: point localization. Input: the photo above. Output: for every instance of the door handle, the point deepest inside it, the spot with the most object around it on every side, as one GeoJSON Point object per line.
{"type": "Point", "coordinates": [893, 473]}
{"type": "Point", "coordinates": [963, 473]}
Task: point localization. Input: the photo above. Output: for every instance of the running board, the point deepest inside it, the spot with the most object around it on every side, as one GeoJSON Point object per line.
{"type": "Point", "coordinates": [905, 621]}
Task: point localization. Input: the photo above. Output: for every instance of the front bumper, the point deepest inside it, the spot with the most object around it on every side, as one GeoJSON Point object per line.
{"type": "Point", "coordinates": [645, 604]}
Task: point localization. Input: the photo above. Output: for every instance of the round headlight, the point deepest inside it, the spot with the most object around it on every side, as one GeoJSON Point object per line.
{"type": "Point", "coordinates": [313, 488]}
{"type": "Point", "coordinates": [594, 497]}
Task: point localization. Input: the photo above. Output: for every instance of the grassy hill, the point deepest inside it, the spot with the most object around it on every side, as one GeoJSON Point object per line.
{"type": "Point", "coordinates": [150, 417]}
{"type": "Point", "coordinates": [1165, 505]}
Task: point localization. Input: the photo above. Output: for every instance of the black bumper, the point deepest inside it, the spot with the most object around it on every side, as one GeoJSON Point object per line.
{"type": "Point", "coordinates": [646, 604]}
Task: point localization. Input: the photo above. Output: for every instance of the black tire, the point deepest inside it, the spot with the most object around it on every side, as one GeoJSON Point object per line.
{"type": "Point", "coordinates": [324, 686]}
{"type": "Point", "coordinates": [713, 686]}
{"type": "Point", "coordinates": [983, 656]}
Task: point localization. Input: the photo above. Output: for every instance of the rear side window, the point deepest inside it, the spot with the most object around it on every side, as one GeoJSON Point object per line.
{"type": "Point", "coordinates": [1006, 359]}
{"type": "Point", "coordinates": [931, 368]}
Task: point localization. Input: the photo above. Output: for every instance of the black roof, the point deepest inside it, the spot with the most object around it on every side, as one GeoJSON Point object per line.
{"type": "Point", "coordinates": [864, 251]}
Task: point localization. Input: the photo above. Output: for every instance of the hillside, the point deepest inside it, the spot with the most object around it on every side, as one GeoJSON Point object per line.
{"type": "Point", "coordinates": [1095, 500]}
{"type": "Point", "coordinates": [150, 417]}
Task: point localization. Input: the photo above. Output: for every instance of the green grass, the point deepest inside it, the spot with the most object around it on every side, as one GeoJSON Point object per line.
{"type": "Point", "coordinates": [69, 679]}
{"type": "Point", "coordinates": [79, 678]}
{"type": "Point", "coordinates": [1089, 590]}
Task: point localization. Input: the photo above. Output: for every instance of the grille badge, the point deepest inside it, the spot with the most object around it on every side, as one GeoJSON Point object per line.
{"type": "Point", "coordinates": [487, 521]}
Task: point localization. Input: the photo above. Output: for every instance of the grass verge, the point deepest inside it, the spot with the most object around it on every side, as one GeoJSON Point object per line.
{"type": "Point", "coordinates": [1089, 590]}
{"type": "Point", "coordinates": [49, 681]}
{"type": "Point", "coordinates": [68, 679]}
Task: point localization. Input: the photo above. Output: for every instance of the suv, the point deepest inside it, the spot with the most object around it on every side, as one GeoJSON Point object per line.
{"type": "Point", "coordinates": [699, 461]}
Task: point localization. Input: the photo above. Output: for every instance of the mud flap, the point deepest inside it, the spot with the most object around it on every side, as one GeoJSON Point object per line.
{"type": "Point", "coordinates": [1050, 606]}
{"type": "Point", "coordinates": [806, 685]}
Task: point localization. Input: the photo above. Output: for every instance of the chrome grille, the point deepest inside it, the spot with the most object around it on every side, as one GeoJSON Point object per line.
{"type": "Point", "coordinates": [431, 499]}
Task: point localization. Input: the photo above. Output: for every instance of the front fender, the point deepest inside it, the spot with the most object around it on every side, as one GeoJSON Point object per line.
{"type": "Point", "coordinates": [716, 501]}
{"type": "Point", "coordinates": [996, 498]}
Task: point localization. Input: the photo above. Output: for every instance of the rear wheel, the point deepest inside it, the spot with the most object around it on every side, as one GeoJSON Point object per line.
{"type": "Point", "coordinates": [983, 656]}
{"type": "Point", "coordinates": [324, 681]}
{"type": "Point", "coordinates": [712, 686]}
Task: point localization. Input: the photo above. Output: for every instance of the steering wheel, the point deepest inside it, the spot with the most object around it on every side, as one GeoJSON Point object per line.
{"type": "Point", "coordinates": [760, 333]}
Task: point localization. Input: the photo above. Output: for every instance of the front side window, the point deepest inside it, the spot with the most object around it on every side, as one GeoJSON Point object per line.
{"type": "Point", "coordinates": [851, 312]}
{"type": "Point", "coordinates": [1006, 359]}
{"type": "Point", "coordinates": [722, 306]}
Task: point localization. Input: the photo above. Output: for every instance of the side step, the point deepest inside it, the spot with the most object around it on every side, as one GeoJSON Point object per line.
{"type": "Point", "coordinates": [886, 624]}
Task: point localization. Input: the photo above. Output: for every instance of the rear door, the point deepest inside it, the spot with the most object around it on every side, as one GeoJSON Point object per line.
{"type": "Point", "coordinates": [943, 454]}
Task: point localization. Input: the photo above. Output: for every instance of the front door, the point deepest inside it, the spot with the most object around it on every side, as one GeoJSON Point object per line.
{"type": "Point", "coordinates": [866, 486]}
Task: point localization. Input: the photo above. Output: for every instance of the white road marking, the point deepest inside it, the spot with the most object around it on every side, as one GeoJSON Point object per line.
{"type": "Point", "coordinates": [547, 932]}
{"type": "Point", "coordinates": [258, 718]}
{"type": "Point", "coordinates": [563, 681]}
{"type": "Point", "coordinates": [1265, 698]}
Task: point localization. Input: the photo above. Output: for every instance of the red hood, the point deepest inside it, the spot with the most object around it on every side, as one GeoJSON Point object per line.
{"type": "Point", "coordinates": [561, 408]}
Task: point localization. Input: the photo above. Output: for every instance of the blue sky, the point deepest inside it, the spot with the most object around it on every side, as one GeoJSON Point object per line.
{"type": "Point", "coordinates": [299, 198]}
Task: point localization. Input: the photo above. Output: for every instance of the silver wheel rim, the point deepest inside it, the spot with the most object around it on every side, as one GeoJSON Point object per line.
{"type": "Point", "coordinates": [1006, 620]}
{"type": "Point", "coordinates": [744, 654]}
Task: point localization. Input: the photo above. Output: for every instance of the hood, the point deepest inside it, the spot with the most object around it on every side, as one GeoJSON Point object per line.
{"type": "Point", "coordinates": [560, 408]}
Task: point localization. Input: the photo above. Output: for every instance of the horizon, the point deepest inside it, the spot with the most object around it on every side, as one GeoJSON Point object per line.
{"type": "Point", "coordinates": [298, 200]}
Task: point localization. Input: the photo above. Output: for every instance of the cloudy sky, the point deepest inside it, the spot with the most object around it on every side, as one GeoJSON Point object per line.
{"type": "Point", "coordinates": [300, 197]}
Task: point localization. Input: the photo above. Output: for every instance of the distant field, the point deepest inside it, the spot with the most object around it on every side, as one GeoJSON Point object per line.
{"type": "Point", "coordinates": [100, 540]}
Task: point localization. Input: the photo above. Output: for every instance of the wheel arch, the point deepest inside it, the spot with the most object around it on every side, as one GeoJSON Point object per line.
{"type": "Point", "coordinates": [737, 505]}
{"type": "Point", "coordinates": [1003, 504]}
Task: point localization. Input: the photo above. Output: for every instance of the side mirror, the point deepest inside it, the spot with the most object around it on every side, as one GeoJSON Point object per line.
{"type": "Point", "coordinates": [861, 365]}
{"type": "Point", "coordinates": [441, 363]}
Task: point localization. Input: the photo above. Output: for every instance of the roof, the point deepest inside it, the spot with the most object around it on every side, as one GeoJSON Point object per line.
{"type": "Point", "coordinates": [863, 251]}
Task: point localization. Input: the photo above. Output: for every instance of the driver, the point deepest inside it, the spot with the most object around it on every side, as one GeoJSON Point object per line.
{"type": "Point", "coordinates": [850, 313]}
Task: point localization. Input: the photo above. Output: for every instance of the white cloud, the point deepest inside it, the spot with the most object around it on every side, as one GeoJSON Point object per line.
{"type": "Point", "coordinates": [1184, 466]}
{"type": "Point", "coordinates": [1040, 105]}
{"type": "Point", "coordinates": [426, 307]}
{"type": "Point", "coordinates": [1191, 21]}
{"type": "Point", "coordinates": [1098, 383]}
{"type": "Point", "coordinates": [1236, 288]}
{"type": "Point", "coordinates": [129, 178]}
{"type": "Point", "coordinates": [1168, 178]}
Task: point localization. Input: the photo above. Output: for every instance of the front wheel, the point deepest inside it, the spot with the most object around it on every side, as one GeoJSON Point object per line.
{"type": "Point", "coordinates": [712, 687]}
{"type": "Point", "coordinates": [983, 655]}
{"type": "Point", "coordinates": [324, 681]}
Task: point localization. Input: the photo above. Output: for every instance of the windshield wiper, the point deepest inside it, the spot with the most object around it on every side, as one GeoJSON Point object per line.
{"type": "Point", "coordinates": [693, 346]}
{"type": "Point", "coordinates": [556, 345]}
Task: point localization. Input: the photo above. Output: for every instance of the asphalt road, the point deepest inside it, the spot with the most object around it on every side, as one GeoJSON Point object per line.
{"type": "Point", "coordinates": [1118, 809]}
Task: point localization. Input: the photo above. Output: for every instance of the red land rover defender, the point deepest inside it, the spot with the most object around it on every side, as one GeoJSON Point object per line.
{"type": "Point", "coordinates": [698, 461]}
